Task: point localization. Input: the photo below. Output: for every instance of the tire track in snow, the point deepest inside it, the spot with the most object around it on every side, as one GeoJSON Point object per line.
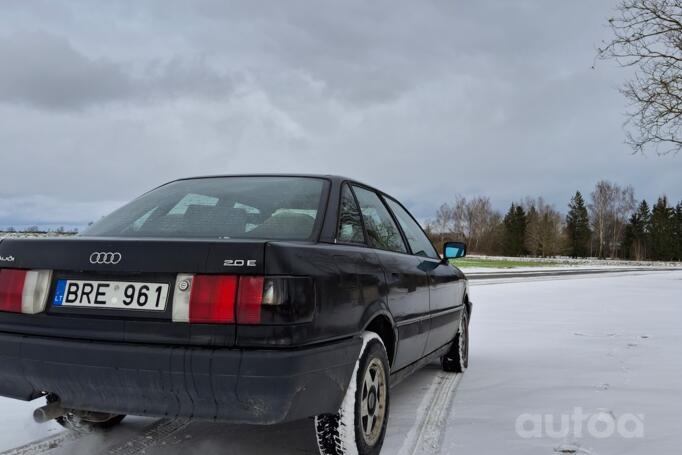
{"type": "Point", "coordinates": [157, 433]}
{"type": "Point", "coordinates": [426, 435]}
{"type": "Point", "coordinates": [46, 444]}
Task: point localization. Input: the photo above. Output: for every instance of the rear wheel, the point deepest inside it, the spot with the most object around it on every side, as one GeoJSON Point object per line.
{"type": "Point", "coordinates": [360, 425]}
{"type": "Point", "coordinates": [457, 359]}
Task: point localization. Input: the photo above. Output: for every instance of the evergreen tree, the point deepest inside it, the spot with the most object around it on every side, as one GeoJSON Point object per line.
{"type": "Point", "coordinates": [636, 242]}
{"type": "Point", "coordinates": [578, 230]}
{"type": "Point", "coordinates": [532, 241]}
{"type": "Point", "coordinates": [514, 231]}
{"type": "Point", "coordinates": [677, 230]}
{"type": "Point", "coordinates": [663, 230]}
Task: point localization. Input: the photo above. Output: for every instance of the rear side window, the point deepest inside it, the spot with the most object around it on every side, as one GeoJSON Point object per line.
{"type": "Point", "coordinates": [281, 208]}
{"type": "Point", "coordinates": [419, 242]}
{"type": "Point", "coordinates": [350, 221]}
{"type": "Point", "coordinates": [381, 229]}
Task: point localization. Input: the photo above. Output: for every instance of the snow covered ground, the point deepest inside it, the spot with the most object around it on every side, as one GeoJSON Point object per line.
{"type": "Point", "coordinates": [598, 358]}
{"type": "Point", "coordinates": [573, 267]}
{"type": "Point", "coordinates": [569, 261]}
{"type": "Point", "coordinates": [609, 346]}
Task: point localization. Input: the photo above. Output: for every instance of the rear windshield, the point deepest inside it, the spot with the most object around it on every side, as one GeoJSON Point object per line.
{"type": "Point", "coordinates": [282, 208]}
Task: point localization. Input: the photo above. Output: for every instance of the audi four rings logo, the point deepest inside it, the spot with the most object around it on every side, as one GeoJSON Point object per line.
{"type": "Point", "coordinates": [105, 258]}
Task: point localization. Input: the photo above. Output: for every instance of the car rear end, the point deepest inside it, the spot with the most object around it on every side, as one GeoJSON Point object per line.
{"type": "Point", "coordinates": [128, 324]}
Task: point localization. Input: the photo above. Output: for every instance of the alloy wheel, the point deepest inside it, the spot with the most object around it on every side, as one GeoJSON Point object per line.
{"type": "Point", "coordinates": [373, 401]}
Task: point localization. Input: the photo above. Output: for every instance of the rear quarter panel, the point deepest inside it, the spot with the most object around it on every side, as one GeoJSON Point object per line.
{"type": "Point", "coordinates": [349, 290]}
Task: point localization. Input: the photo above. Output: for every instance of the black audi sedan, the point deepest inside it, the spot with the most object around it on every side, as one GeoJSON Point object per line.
{"type": "Point", "coordinates": [252, 299]}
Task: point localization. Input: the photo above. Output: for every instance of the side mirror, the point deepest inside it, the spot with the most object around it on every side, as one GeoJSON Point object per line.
{"type": "Point", "coordinates": [454, 250]}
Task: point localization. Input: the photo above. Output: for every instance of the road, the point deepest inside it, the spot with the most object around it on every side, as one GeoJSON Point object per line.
{"type": "Point", "coordinates": [607, 344]}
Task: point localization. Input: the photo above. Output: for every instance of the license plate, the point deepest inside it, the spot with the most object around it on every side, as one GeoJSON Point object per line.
{"type": "Point", "coordinates": [111, 294]}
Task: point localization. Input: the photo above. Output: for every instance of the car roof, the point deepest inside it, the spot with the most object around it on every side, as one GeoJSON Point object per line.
{"type": "Point", "coordinates": [332, 177]}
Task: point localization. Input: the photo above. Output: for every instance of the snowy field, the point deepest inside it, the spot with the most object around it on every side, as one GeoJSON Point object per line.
{"type": "Point", "coordinates": [571, 262]}
{"type": "Point", "coordinates": [576, 267]}
{"type": "Point", "coordinates": [582, 364]}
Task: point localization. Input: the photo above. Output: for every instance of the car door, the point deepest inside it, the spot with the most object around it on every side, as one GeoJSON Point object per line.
{"type": "Point", "coordinates": [446, 286]}
{"type": "Point", "coordinates": [406, 283]}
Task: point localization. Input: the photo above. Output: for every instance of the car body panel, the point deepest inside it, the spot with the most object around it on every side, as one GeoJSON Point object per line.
{"type": "Point", "coordinates": [238, 386]}
{"type": "Point", "coordinates": [347, 281]}
{"type": "Point", "coordinates": [408, 301]}
{"type": "Point", "coordinates": [446, 303]}
{"type": "Point", "coordinates": [137, 255]}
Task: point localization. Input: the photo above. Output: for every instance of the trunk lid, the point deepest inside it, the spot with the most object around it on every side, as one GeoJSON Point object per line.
{"type": "Point", "coordinates": [156, 261]}
{"type": "Point", "coordinates": [116, 255]}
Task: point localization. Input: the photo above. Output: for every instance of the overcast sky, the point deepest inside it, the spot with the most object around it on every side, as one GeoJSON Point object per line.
{"type": "Point", "coordinates": [100, 101]}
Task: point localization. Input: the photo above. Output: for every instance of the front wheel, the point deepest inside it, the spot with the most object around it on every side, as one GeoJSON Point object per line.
{"type": "Point", "coordinates": [457, 359]}
{"type": "Point", "coordinates": [360, 425]}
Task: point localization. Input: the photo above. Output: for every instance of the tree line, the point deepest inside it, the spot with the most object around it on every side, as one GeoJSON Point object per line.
{"type": "Point", "coordinates": [34, 229]}
{"type": "Point", "coordinates": [610, 224]}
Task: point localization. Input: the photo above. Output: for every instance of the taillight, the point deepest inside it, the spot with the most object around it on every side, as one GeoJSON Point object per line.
{"type": "Point", "coordinates": [287, 300]}
{"type": "Point", "coordinates": [212, 299]}
{"type": "Point", "coordinates": [11, 289]}
{"type": "Point", "coordinates": [250, 299]}
{"type": "Point", "coordinates": [24, 291]}
{"type": "Point", "coordinates": [226, 299]}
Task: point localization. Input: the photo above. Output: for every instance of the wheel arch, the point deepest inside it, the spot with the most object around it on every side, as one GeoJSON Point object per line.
{"type": "Point", "coordinates": [382, 324]}
{"type": "Point", "coordinates": [467, 304]}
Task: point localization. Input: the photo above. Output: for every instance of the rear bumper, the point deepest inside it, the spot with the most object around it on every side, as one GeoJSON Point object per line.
{"type": "Point", "coordinates": [239, 386]}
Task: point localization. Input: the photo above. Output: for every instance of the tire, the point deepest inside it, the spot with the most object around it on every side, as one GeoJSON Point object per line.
{"type": "Point", "coordinates": [360, 425]}
{"type": "Point", "coordinates": [457, 360]}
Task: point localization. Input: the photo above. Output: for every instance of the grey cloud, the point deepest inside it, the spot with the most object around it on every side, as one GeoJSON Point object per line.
{"type": "Point", "coordinates": [360, 53]}
{"type": "Point", "coordinates": [185, 77]}
{"type": "Point", "coordinates": [46, 71]}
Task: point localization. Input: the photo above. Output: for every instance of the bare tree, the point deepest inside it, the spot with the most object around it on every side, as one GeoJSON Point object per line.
{"type": "Point", "coordinates": [610, 208]}
{"type": "Point", "coordinates": [473, 221]}
{"type": "Point", "coordinates": [477, 216]}
{"type": "Point", "coordinates": [476, 219]}
{"type": "Point", "coordinates": [543, 229]}
{"type": "Point", "coordinates": [443, 224]}
{"type": "Point", "coordinates": [624, 205]}
{"type": "Point", "coordinates": [648, 36]}
{"type": "Point", "coordinates": [601, 208]}
{"type": "Point", "coordinates": [458, 217]}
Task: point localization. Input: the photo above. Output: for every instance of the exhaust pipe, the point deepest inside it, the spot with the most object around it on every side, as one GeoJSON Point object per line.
{"type": "Point", "coordinates": [48, 412]}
